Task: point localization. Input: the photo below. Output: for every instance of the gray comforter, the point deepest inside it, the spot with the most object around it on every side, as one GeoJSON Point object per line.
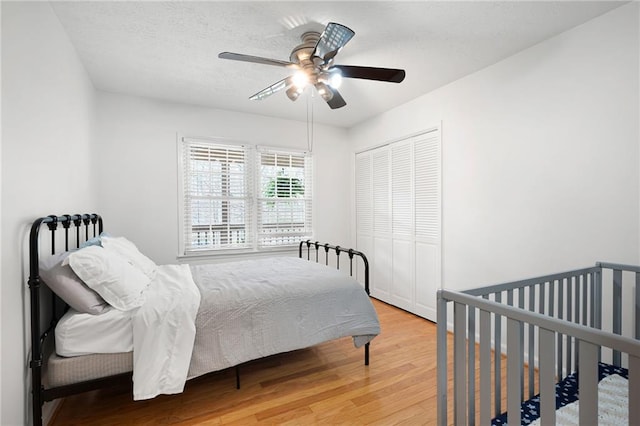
{"type": "Point", "coordinates": [255, 308]}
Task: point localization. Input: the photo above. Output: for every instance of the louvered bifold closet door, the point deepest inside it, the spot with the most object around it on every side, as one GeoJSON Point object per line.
{"type": "Point", "coordinates": [402, 286]}
{"type": "Point", "coordinates": [364, 209]}
{"type": "Point", "coordinates": [398, 220]}
{"type": "Point", "coordinates": [428, 221]}
{"type": "Point", "coordinates": [383, 255]}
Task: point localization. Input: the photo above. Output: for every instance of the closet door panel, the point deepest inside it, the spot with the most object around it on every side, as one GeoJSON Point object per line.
{"type": "Point", "coordinates": [402, 190]}
{"type": "Point", "coordinates": [402, 291]}
{"type": "Point", "coordinates": [364, 243]}
{"type": "Point", "coordinates": [364, 210]}
{"type": "Point", "coordinates": [382, 268]}
{"type": "Point", "coordinates": [381, 198]}
{"type": "Point", "coordinates": [381, 192]}
{"type": "Point", "coordinates": [428, 223]}
{"type": "Point", "coordinates": [427, 279]}
{"type": "Point", "coordinates": [402, 271]}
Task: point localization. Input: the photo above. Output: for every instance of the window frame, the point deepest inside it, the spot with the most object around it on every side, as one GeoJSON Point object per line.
{"type": "Point", "coordinates": [255, 195]}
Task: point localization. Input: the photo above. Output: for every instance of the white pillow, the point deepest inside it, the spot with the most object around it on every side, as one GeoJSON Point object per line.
{"type": "Point", "coordinates": [65, 283]}
{"type": "Point", "coordinates": [129, 251]}
{"type": "Point", "coordinates": [119, 282]}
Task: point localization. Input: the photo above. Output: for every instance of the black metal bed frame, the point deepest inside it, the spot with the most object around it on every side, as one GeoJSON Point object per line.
{"type": "Point", "coordinates": [82, 224]}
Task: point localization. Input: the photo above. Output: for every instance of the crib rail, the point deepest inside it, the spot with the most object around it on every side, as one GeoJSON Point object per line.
{"type": "Point", "coordinates": [552, 324]}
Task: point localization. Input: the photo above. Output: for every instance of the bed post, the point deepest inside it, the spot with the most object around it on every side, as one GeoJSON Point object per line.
{"type": "Point", "coordinates": [36, 349]}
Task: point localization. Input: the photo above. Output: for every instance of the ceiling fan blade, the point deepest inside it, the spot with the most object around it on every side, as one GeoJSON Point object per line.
{"type": "Point", "coordinates": [276, 87]}
{"type": "Point", "coordinates": [333, 38]}
{"type": "Point", "coordinates": [336, 101]}
{"type": "Point", "coordinates": [391, 75]}
{"type": "Point", "coordinates": [256, 60]}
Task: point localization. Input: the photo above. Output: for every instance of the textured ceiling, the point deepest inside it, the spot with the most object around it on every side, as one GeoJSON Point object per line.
{"type": "Point", "coordinates": [168, 50]}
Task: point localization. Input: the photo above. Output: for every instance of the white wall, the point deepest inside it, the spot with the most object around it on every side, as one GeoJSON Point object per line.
{"type": "Point", "coordinates": [47, 116]}
{"type": "Point", "coordinates": [540, 160]}
{"type": "Point", "coordinates": [137, 164]}
{"type": "Point", "coordinates": [540, 155]}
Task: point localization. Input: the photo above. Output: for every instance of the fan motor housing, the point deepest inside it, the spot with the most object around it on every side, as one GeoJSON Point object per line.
{"type": "Point", "coordinates": [301, 54]}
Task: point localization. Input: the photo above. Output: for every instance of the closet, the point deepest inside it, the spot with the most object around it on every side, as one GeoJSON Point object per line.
{"type": "Point", "coordinates": [399, 220]}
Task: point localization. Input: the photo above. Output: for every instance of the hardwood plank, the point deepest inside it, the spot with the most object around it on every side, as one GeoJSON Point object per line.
{"type": "Point", "coordinates": [325, 384]}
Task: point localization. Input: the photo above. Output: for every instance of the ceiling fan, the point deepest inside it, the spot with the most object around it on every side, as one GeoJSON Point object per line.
{"type": "Point", "coordinates": [313, 61]}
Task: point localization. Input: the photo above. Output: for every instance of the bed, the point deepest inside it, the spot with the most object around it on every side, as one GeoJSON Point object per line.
{"type": "Point", "coordinates": [113, 315]}
{"type": "Point", "coordinates": [559, 349]}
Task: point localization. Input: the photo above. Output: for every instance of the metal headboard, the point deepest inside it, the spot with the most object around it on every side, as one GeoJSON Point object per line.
{"type": "Point", "coordinates": [80, 225]}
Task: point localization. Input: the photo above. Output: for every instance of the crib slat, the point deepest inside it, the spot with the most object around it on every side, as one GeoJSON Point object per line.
{"type": "Point", "coordinates": [531, 359]}
{"type": "Point", "coordinates": [569, 357]}
{"type": "Point", "coordinates": [547, 377]}
{"type": "Point", "coordinates": [588, 384]}
{"type": "Point", "coordinates": [485, 367]}
{"type": "Point", "coordinates": [514, 385]}
{"type": "Point", "coordinates": [459, 364]}
{"type": "Point", "coordinates": [576, 319]}
{"type": "Point", "coordinates": [577, 298]}
{"type": "Point", "coordinates": [636, 311]}
{"type": "Point", "coordinates": [559, 337]}
{"type": "Point", "coordinates": [497, 368]}
{"type": "Point", "coordinates": [592, 304]}
{"type": "Point", "coordinates": [617, 311]}
{"type": "Point", "coordinates": [471, 333]}
{"type": "Point", "coordinates": [585, 293]}
{"type": "Point", "coordinates": [552, 293]}
{"type": "Point", "coordinates": [598, 299]}
{"type": "Point", "coordinates": [634, 390]}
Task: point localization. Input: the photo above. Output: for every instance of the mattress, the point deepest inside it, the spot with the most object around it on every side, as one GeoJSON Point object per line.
{"type": "Point", "coordinates": [61, 371]}
{"type": "Point", "coordinates": [566, 394]}
{"type": "Point", "coordinates": [249, 310]}
{"type": "Point", "coordinates": [82, 334]}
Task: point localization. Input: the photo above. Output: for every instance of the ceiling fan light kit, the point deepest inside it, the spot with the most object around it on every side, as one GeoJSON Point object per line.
{"type": "Point", "coordinates": [313, 61]}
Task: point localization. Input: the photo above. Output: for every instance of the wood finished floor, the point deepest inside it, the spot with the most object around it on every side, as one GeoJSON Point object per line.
{"type": "Point", "coordinates": [325, 384]}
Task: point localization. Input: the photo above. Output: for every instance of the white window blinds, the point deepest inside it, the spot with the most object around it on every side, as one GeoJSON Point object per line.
{"type": "Point", "coordinates": [284, 201]}
{"type": "Point", "coordinates": [238, 197]}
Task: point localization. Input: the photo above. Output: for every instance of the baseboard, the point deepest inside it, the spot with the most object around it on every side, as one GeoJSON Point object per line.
{"type": "Point", "coordinates": [49, 410]}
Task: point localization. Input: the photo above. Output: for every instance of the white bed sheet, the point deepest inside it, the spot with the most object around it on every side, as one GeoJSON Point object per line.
{"type": "Point", "coordinates": [82, 334]}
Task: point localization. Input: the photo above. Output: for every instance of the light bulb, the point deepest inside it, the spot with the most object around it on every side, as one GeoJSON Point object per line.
{"type": "Point", "coordinates": [335, 78]}
{"type": "Point", "coordinates": [293, 93]}
{"type": "Point", "coordinates": [300, 79]}
{"type": "Point", "coordinates": [324, 91]}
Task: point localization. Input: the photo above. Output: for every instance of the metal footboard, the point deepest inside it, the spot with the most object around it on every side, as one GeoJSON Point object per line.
{"type": "Point", "coordinates": [548, 326]}
{"type": "Point", "coordinates": [352, 254]}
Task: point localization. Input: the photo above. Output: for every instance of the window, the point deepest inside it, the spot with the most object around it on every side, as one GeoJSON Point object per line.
{"type": "Point", "coordinates": [243, 197]}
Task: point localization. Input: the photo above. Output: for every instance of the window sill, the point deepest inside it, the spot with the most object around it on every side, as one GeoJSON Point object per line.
{"type": "Point", "coordinates": [226, 255]}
